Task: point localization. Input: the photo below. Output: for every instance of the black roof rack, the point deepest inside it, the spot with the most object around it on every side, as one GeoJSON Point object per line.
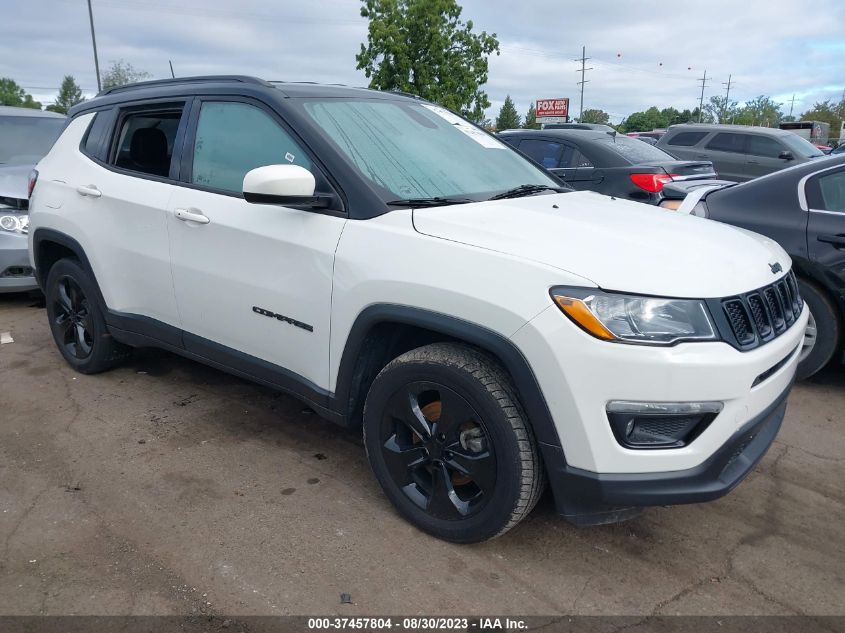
{"type": "Point", "coordinates": [182, 80]}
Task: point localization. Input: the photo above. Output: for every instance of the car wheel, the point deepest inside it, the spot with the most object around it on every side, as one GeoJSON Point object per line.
{"type": "Point", "coordinates": [76, 320]}
{"type": "Point", "coordinates": [823, 333]}
{"type": "Point", "coordinates": [450, 444]}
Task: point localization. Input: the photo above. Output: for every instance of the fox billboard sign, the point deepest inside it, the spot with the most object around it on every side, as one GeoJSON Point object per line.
{"type": "Point", "coordinates": [552, 108]}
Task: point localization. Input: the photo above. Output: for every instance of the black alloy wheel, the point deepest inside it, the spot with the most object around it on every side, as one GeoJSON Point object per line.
{"type": "Point", "coordinates": [76, 319]}
{"type": "Point", "coordinates": [72, 319]}
{"type": "Point", "coordinates": [449, 443]}
{"type": "Point", "coordinates": [437, 451]}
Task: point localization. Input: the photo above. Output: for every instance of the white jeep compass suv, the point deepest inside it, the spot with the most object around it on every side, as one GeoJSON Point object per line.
{"type": "Point", "coordinates": [398, 268]}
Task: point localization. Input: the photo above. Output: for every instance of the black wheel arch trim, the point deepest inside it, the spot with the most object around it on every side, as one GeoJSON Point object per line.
{"type": "Point", "coordinates": [42, 235]}
{"type": "Point", "coordinates": [531, 396]}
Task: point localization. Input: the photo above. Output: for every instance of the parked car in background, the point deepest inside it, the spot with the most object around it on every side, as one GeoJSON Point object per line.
{"type": "Point", "coordinates": [656, 135]}
{"type": "Point", "coordinates": [839, 149]}
{"type": "Point", "coordinates": [612, 164]}
{"type": "Point", "coordinates": [26, 135]}
{"type": "Point", "coordinates": [578, 126]}
{"type": "Point", "coordinates": [738, 152]}
{"type": "Point", "coordinates": [803, 209]}
{"type": "Point", "coordinates": [646, 139]}
{"type": "Point", "coordinates": [400, 269]}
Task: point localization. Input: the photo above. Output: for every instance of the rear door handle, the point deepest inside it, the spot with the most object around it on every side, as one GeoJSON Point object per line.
{"type": "Point", "coordinates": [189, 215]}
{"type": "Point", "coordinates": [838, 241]}
{"type": "Point", "coordinates": [90, 191]}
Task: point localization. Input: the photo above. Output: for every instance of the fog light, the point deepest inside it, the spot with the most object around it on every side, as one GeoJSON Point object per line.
{"type": "Point", "coordinates": [659, 424]}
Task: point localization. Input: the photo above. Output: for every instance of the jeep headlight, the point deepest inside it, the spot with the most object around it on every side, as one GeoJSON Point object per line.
{"type": "Point", "coordinates": [636, 319]}
{"type": "Point", "coordinates": [14, 223]}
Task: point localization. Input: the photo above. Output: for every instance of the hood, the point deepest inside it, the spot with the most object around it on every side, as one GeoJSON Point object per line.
{"type": "Point", "coordinates": [14, 180]}
{"type": "Point", "coordinates": [617, 244]}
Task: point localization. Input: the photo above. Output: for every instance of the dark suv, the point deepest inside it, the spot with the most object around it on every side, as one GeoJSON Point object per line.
{"type": "Point", "coordinates": [739, 152]}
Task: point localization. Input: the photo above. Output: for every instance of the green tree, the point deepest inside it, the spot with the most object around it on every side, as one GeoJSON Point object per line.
{"type": "Point", "coordinates": [594, 115]}
{"type": "Point", "coordinates": [829, 112]}
{"type": "Point", "coordinates": [120, 73]}
{"type": "Point", "coordinates": [720, 110]}
{"type": "Point", "coordinates": [645, 121]}
{"type": "Point", "coordinates": [530, 122]}
{"type": "Point", "coordinates": [69, 95]}
{"type": "Point", "coordinates": [508, 118]}
{"type": "Point", "coordinates": [423, 47]}
{"type": "Point", "coordinates": [11, 94]}
{"type": "Point", "coordinates": [759, 111]}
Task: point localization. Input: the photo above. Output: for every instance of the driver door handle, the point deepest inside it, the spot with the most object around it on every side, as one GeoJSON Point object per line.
{"type": "Point", "coordinates": [191, 215]}
{"type": "Point", "coordinates": [90, 191]}
{"type": "Point", "coordinates": [838, 241]}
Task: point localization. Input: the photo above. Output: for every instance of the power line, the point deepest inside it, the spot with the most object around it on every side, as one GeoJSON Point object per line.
{"type": "Point", "coordinates": [583, 59]}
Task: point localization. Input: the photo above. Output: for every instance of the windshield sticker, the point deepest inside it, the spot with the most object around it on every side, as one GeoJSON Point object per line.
{"type": "Point", "coordinates": [471, 131]}
{"type": "Point", "coordinates": [289, 157]}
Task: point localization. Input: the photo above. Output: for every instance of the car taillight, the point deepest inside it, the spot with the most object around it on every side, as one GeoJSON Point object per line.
{"type": "Point", "coordinates": [651, 182]}
{"type": "Point", "coordinates": [33, 178]}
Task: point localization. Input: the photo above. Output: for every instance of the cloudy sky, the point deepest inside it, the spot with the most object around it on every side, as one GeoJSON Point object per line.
{"type": "Point", "coordinates": [643, 53]}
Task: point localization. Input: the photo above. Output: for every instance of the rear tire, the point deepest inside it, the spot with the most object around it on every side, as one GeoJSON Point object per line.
{"type": "Point", "coordinates": [817, 353]}
{"type": "Point", "coordinates": [77, 322]}
{"type": "Point", "coordinates": [450, 444]}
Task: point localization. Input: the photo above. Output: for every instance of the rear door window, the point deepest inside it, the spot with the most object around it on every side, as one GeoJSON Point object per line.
{"type": "Point", "coordinates": [827, 192]}
{"type": "Point", "coordinates": [545, 153]}
{"type": "Point", "coordinates": [728, 142]}
{"type": "Point", "coordinates": [686, 139]}
{"type": "Point", "coordinates": [764, 146]}
{"type": "Point", "coordinates": [145, 140]}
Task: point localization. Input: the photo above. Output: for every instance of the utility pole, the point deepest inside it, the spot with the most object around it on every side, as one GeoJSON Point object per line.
{"type": "Point", "coordinates": [727, 98]}
{"type": "Point", "coordinates": [791, 104]}
{"type": "Point", "coordinates": [583, 59]}
{"type": "Point", "coordinates": [703, 81]}
{"type": "Point", "coordinates": [94, 42]}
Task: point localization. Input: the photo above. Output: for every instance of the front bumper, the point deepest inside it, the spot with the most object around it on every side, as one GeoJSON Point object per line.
{"type": "Point", "coordinates": [587, 498]}
{"type": "Point", "coordinates": [14, 258]}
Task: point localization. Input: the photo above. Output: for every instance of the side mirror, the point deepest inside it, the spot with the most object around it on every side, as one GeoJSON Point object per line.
{"type": "Point", "coordinates": [786, 155]}
{"type": "Point", "coordinates": [286, 185]}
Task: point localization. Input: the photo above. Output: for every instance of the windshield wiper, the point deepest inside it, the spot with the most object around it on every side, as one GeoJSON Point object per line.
{"type": "Point", "coordinates": [428, 202]}
{"type": "Point", "coordinates": [525, 190]}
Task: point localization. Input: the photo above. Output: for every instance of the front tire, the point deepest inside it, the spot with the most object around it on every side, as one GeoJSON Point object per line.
{"type": "Point", "coordinates": [823, 334]}
{"type": "Point", "coordinates": [77, 322]}
{"type": "Point", "coordinates": [450, 444]}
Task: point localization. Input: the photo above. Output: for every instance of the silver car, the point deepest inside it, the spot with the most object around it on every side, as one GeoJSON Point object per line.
{"type": "Point", "coordinates": [25, 136]}
{"type": "Point", "coordinates": [738, 152]}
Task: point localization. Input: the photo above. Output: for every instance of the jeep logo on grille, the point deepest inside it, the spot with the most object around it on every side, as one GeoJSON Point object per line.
{"type": "Point", "coordinates": [776, 268]}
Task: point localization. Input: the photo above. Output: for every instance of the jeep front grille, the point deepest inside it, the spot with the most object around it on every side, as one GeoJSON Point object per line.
{"type": "Point", "coordinates": [757, 317]}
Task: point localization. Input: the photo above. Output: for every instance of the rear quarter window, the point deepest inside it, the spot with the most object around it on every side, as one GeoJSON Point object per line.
{"type": "Point", "coordinates": [93, 141]}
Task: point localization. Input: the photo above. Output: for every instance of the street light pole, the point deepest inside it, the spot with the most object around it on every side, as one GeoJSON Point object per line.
{"type": "Point", "coordinates": [94, 42]}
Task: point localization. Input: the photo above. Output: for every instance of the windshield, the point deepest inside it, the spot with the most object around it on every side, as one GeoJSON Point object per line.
{"type": "Point", "coordinates": [801, 146]}
{"type": "Point", "coordinates": [25, 140]}
{"type": "Point", "coordinates": [634, 150]}
{"type": "Point", "coordinates": [419, 150]}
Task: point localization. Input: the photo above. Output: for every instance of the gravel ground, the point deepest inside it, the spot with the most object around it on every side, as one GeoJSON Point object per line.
{"type": "Point", "coordinates": [165, 487]}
